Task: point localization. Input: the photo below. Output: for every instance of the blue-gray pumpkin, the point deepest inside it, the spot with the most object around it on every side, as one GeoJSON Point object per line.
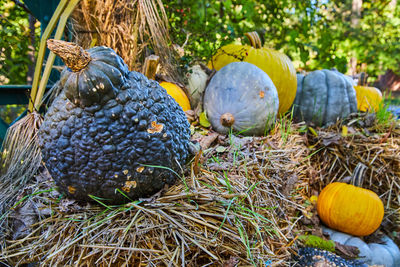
{"type": "Point", "coordinates": [386, 253]}
{"type": "Point", "coordinates": [323, 97]}
{"type": "Point", "coordinates": [243, 98]}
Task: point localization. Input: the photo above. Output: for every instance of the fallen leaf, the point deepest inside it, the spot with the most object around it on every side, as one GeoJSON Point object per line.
{"type": "Point", "coordinates": [232, 262]}
{"type": "Point", "coordinates": [203, 120]}
{"type": "Point", "coordinates": [347, 252]}
{"type": "Point", "coordinates": [206, 140]}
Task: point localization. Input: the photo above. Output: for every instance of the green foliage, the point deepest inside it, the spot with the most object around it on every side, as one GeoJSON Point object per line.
{"type": "Point", "coordinates": [15, 43]}
{"type": "Point", "coordinates": [316, 34]}
{"type": "Point", "coordinates": [317, 242]}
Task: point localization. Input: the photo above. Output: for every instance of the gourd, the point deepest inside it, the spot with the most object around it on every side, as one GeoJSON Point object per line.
{"type": "Point", "coordinates": [350, 208]}
{"type": "Point", "coordinates": [385, 253]}
{"type": "Point", "coordinates": [177, 93]}
{"type": "Point", "coordinates": [196, 84]}
{"type": "Point", "coordinates": [109, 127]}
{"type": "Point", "coordinates": [241, 97]}
{"type": "Point", "coordinates": [322, 97]}
{"type": "Point", "coordinates": [368, 98]}
{"type": "Point", "coordinates": [277, 65]}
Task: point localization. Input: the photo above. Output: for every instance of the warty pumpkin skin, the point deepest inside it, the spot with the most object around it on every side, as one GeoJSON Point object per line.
{"type": "Point", "coordinates": [368, 98]}
{"type": "Point", "coordinates": [278, 66]}
{"type": "Point", "coordinates": [322, 97]}
{"type": "Point", "coordinates": [108, 139]}
{"type": "Point", "coordinates": [350, 209]}
{"type": "Point", "coordinates": [241, 96]}
{"type": "Point", "coordinates": [177, 93]}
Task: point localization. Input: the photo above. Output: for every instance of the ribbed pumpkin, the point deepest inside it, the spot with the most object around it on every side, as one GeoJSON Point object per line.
{"type": "Point", "coordinates": [368, 98]}
{"type": "Point", "coordinates": [177, 93]}
{"type": "Point", "coordinates": [385, 253]}
{"type": "Point", "coordinates": [241, 97]}
{"type": "Point", "coordinates": [350, 208]}
{"type": "Point", "coordinates": [277, 65]}
{"type": "Point", "coordinates": [323, 96]}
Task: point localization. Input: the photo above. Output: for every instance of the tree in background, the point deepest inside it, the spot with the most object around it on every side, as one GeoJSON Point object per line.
{"type": "Point", "coordinates": [19, 35]}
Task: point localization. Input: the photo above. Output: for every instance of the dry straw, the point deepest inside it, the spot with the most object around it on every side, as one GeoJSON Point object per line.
{"type": "Point", "coordinates": [134, 29]}
{"type": "Point", "coordinates": [244, 201]}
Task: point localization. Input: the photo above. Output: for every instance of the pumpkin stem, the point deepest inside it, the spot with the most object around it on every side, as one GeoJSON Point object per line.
{"type": "Point", "coordinates": [74, 56]}
{"type": "Point", "coordinates": [358, 174]}
{"type": "Point", "coordinates": [227, 119]}
{"type": "Point", "coordinates": [254, 39]}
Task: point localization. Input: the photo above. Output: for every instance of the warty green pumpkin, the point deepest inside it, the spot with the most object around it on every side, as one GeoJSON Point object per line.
{"type": "Point", "coordinates": [241, 97]}
{"type": "Point", "coordinates": [277, 65]}
{"type": "Point", "coordinates": [323, 96]}
{"type": "Point", "coordinates": [111, 133]}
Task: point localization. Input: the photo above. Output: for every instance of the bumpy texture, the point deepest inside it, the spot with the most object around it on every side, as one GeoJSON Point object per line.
{"type": "Point", "coordinates": [128, 139]}
{"type": "Point", "coordinates": [317, 258]}
{"type": "Point", "coordinates": [323, 96]}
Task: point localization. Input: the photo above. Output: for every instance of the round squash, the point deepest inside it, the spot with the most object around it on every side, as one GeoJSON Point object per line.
{"type": "Point", "coordinates": [108, 127]}
{"type": "Point", "coordinates": [385, 253]}
{"type": "Point", "coordinates": [368, 98]}
{"type": "Point", "coordinates": [177, 93]}
{"type": "Point", "coordinates": [241, 96]}
{"type": "Point", "coordinates": [350, 209]}
{"type": "Point", "coordinates": [277, 65]}
{"type": "Point", "coordinates": [322, 97]}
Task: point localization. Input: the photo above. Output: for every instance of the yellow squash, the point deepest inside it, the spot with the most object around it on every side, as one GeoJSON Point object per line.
{"type": "Point", "coordinates": [277, 65]}
{"type": "Point", "coordinates": [368, 98]}
{"type": "Point", "coordinates": [177, 93]}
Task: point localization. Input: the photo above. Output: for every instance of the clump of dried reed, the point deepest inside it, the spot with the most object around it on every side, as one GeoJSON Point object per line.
{"type": "Point", "coordinates": [134, 29]}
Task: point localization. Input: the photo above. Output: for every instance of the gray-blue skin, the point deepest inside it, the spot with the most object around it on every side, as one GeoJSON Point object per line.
{"type": "Point", "coordinates": [247, 93]}
{"type": "Point", "coordinates": [322, 97]}
{"type": "Point", "coordinates": [312, 256]}
{"type": "Point", "coordinates": [119, 144]}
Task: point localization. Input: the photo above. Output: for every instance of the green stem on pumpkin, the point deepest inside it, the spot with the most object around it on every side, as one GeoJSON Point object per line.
{"type": "Point", "coordinates": [357, 177]}
{"type": "Point", "coordinates": [254, 39]}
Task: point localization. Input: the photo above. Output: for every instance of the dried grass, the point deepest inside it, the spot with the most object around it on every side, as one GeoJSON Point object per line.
{"type": "Point", "coordinates": [244, 205]}
{"type": "Point", "coordinates": [134, 29]}
{"type": "Point", "coordinates": [19, 160]}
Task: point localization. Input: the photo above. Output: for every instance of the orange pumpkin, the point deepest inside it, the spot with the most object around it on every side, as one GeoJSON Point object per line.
{"type": "Point", "coordinates": [350, 209]}
{"type": "Point", "coordinates": [177, 93]}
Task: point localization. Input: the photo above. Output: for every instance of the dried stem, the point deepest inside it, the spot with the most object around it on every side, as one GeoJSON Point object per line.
{"type": "Point", "coordinates": [74, 56]}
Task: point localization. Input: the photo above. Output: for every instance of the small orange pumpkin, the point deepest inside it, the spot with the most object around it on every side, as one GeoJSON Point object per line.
{"type": "Point", "coordinates": [350, 209]}
{"type": "Point", "coordinates": [177, 93]}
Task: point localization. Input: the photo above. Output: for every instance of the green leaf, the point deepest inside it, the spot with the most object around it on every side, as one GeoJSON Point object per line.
{"type": "Point", "coordinates": [204, 120]}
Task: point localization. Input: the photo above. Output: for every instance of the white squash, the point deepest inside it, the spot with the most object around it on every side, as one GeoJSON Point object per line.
{"type": "Point", "coordinates": [196, 84]}
{"type": "Point", "coordinates": [386, 254]}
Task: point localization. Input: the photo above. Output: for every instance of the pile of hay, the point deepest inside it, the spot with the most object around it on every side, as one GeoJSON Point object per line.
{"type": "Point", "coordinates": [243, 201]}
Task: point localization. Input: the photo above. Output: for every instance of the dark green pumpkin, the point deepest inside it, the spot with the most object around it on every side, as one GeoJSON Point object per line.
{"type": "Point", "coordinates": [111, 133]}
{"type": "Point", "coordinates": [94, 78]}
{"type": "Point", "coordinates": [322, 97]}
